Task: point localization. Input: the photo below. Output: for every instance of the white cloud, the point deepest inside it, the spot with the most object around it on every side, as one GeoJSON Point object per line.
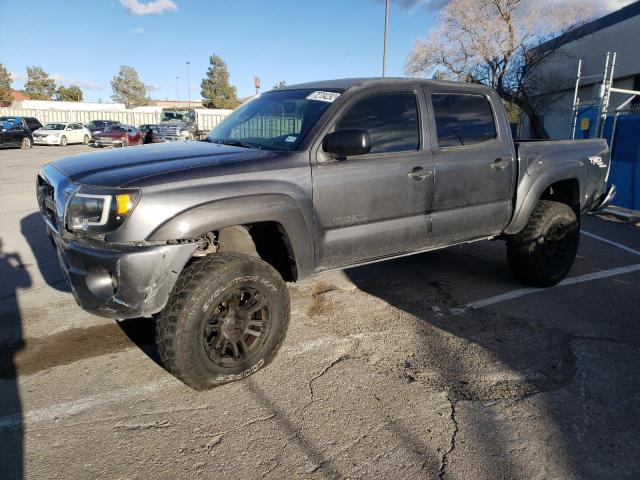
{"type": "Point", "coordinates": [18, 77]}
{"type": "Point", "coordinates": [138, 30]}
{"type": "Point", "coordinates": [155, 7]}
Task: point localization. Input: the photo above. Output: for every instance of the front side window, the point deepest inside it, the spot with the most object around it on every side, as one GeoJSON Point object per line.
{"type": "Point", "coordinates": [276, 120]}
{"type": "Point", "coordinates": [462, 119]}
{"type": "Point", "coordinates": [390, 118]}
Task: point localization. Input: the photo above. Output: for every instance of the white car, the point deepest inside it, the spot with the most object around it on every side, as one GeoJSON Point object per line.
{"type": "Point", "coordinates": [60, 133]}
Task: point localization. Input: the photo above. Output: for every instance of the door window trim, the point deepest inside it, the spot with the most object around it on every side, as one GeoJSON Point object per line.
{"type": "Point", "coordinates": [375, 155]}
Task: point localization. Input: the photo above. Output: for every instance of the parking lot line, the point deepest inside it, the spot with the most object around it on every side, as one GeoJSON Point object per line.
{"type": "Point", "coordinates": [567, 281]}
{"type": "Point", "coordinates": [610, 242]}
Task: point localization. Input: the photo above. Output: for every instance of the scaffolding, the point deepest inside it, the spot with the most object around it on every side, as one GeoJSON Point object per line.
{"type": "Point", "coordinates": [604, 97]}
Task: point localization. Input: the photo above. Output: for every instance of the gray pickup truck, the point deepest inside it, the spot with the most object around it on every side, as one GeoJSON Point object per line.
{"type": "Point", "coordinates": [303, 179]}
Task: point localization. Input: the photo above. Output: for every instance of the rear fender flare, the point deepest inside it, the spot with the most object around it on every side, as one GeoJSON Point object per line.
{"type": "Point", "coordinates": [531, 189]}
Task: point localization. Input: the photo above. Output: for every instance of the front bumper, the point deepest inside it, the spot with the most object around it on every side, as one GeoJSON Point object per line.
{"type": "Point", "coordinates": [46, 141]}
{"type": "Point", "coordinates": [115, 142]}
{"type": "Point", "coordinates": [120, 281]}
{"type": "Point", "coordinates": [606, 199]}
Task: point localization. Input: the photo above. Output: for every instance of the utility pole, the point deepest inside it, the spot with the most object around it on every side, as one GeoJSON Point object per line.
{"type": "Point", "coordinates": [188, 85]}
{"type": "Point", "coordinates": [177, 90]}
{"type": "Point", "coordinates": [384, 48]}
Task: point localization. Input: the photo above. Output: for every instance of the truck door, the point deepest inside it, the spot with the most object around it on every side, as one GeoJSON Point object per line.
{"type": "Point", "coordinates": [375, 205]}
{"type": "Point", "coordinates": [474, 164]}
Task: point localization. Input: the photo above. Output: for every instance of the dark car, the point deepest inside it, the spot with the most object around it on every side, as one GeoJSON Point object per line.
{"type": "Point", "coordinates": [30, 123]}
{"type": "Point", "coordinates": [119, 135]}
{"type": "Point", "coordinates": [150, 133]}
{"type": "Point", "coordinates": [14, 136]}
{"type": "Point", "coordinates": [97, 126]}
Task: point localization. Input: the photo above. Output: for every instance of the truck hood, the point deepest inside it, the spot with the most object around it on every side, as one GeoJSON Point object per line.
{"type": "Point", "coordinates": [123, 166]}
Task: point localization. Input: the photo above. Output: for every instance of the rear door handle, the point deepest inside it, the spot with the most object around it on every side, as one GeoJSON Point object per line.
{"type": "Point", "coordinates": [500, 163]}
{"type": "Point", "coordinates": [419, 173]}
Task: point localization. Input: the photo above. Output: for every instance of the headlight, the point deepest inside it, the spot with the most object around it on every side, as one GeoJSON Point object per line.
{"type": "Point", "coordinates": [97, 210]}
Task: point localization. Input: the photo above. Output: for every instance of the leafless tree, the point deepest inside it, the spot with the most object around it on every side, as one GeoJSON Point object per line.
{"type": "Point", "coordinates": [500, 43]}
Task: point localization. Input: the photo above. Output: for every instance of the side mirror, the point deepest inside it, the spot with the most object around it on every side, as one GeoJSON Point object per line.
{"type": "Point", "coordinates": [68, 129]}
{"type": "Point", "coordinates": [347, 142]}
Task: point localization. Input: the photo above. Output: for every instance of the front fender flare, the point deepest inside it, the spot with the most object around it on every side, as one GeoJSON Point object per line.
{"type": "Point", "coordinates": [218, 214]}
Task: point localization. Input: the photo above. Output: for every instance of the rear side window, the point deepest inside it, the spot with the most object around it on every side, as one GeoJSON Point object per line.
{"type": "Point", "coordinates": [391, 119]}
{"type": "Point", "coordinates": [462, 119]}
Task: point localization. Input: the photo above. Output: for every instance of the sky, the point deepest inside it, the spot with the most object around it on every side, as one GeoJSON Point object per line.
{"type": "Point", "coordinates": [85, 41]}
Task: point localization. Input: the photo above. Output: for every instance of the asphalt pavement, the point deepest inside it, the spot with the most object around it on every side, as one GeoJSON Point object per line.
{"type": "Point", "coordinates": [439, 365]}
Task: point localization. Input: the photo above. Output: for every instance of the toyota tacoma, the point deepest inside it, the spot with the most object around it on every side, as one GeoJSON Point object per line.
{"type": "Point", "coordinates": [202, 236]}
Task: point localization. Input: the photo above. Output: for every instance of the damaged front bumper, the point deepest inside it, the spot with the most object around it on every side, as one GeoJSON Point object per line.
{"type": "Point", "coordinates": [118, 281]}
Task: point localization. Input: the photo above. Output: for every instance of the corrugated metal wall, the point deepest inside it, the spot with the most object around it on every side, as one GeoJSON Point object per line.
{"type": "Point", "coordinates": [206, 121]}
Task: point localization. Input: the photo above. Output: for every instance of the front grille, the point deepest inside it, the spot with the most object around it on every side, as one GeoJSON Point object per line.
{"type": "Point", "coordinates": [46, 201]}
{"type": "Point", "coordinates": [164, 130]}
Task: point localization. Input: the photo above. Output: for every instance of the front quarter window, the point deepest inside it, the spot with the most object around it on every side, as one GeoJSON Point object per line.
{"type": "Point", "coordinates": [276, 120]}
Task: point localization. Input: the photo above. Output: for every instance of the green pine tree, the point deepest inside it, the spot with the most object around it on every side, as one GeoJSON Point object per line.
{"type": "Point", "coordinates": [128, 88]}
{"type": "Point", "coordinates": [5, 87]}
{"type": "Point", "coordinates": [39, 86]}
{"type": "Point", "coordinates": [216, 90]}
{"type": "Point", "coordinates": [72, 93]}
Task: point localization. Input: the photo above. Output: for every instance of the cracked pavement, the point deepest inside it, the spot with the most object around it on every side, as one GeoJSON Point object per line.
{"type": "Point", "coordinates": [385, 373]}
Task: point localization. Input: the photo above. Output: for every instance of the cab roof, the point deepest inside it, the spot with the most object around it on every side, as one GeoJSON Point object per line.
{"type": "Point", "coordinates": [346, 83]}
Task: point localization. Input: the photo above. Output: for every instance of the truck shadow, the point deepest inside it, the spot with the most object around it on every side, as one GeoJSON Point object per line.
{"type": "Point", "coordinates": [33, 230]}
{"type": "Point", "coordinates": [479, 357]}
{"type": "Point", "coordinates": [14, 277]}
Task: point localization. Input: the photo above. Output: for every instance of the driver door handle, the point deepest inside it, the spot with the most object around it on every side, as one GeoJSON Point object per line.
{"type": "Point", "coordinates": [419, 173]}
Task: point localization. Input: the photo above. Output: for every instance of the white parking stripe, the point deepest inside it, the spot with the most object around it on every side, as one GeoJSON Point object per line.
{"type": "Point", "coordinates": [610, 242]}
{"type": "Point", "coordinates": [567, 281]}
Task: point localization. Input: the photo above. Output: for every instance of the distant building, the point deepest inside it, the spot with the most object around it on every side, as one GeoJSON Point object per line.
{"type": "Point", "coordinates": [615, 32]}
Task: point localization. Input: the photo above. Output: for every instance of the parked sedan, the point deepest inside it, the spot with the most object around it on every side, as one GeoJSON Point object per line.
{"type": "Point", "coordinates": [118, 136]}
{"type": "Point", "coordinates": [61, 134]}
{"type": "Point", "coordinates": [14, 136]}
{"type": "Point", "coordinates": [97, 126]}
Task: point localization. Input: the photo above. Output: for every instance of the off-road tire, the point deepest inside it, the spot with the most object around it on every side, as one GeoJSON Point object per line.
{"type": "Point", "coordinates": [542, 254]}
{"type": "Point", "coordinates": [201, 287]}
{"type": "Point", "coordinates": [25, 144]}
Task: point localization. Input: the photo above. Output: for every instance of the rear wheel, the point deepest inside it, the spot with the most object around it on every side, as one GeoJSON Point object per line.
{"type": "Point", "coordinates": [25, 144]}
{"type": "Point", "coordinates": [542, 254]}
{"type": "Point", "coordinates": [225, 319]}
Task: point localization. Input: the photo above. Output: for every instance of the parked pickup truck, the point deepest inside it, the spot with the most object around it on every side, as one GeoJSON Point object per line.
{"type": "Point", "coordinates": [303, 179]}
{"type": "Point", "coordinates": [178, 125]}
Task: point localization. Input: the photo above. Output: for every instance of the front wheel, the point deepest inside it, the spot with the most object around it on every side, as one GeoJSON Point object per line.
{"type": "Point", "coordinates": [225, 319]}
{"type": "Point", "coordinates": [85, 140]}
{"type": "Point", "coordinates": [542, 254]}
{"type": "Point", "coordinates": [26, 143]}
{"type": "Point", "coordinates": [63, 141]}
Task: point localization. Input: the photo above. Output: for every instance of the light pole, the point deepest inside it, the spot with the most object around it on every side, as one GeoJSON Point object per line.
{"type": "Point", "coordinates": [384, 48]}
{"type": "Point", "coordinates": [188, 85]}
{"type": "Point", "coordinates": [177, 90]}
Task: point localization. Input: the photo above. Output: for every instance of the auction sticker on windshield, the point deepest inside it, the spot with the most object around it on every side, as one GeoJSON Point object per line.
{"type": "Point", "coordinates": [323, 96]}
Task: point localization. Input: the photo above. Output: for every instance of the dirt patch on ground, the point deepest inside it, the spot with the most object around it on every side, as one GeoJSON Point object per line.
{"type": "Point", "coordinates": [320, 305]}
{"type": "Point", "coordinates": [72, 345]}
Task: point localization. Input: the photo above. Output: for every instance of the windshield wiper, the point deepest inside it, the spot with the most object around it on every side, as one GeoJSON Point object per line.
{"type": "Point", "coordinates": [237, 143]}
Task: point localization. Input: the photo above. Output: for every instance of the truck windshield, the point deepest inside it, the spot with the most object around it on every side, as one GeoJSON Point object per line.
{"type": "Point", "coordinates": [168, 115]}
{"type": "Point", "coordinates": [276, 120]}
